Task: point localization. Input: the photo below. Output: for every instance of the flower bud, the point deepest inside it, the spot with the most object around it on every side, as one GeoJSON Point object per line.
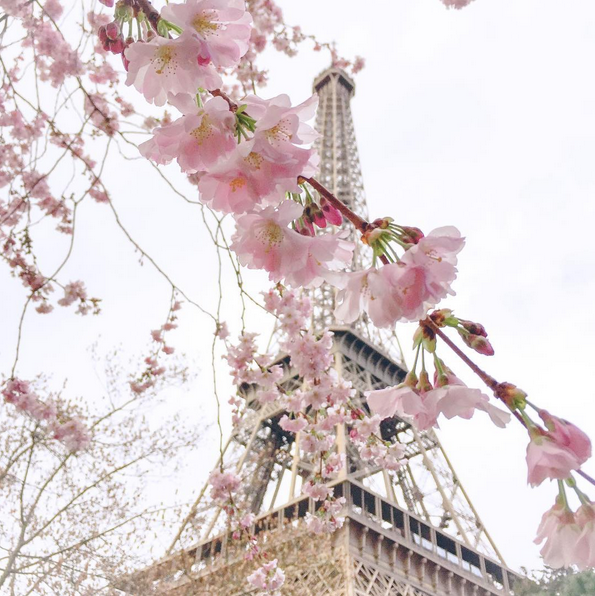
{"type": "Point", "coordinates": [123, 12]}
{"type": "Point", "coordinates": [112, 31]}
{"type": "Point", "coordinates": [426, 337]}
{"type": "Point", "coordinates": [478, 343]}
{"type": "Point", "coordinates": [474, 328]}
{"type": "Point", "coordinates": [410, 379]}
{"type": "Point", "coordinates": [331, 213]}
{"type": "Point", "coordinates": [511, 395]}
{"type": "Point", "coordinates": [413, 235]}
{"type": "Point", "coordinates": [314, 214]}
{"type": "Point", "coordinates": [424, 382]}
{"type": "Point", "coordinates": [304, 227]}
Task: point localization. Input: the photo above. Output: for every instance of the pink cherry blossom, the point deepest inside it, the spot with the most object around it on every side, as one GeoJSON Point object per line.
{"type": "Point", "coordinates": [268, 577]}
{"type": "Point", "coordinates": [294, 425]}
{"type": "Point", "coordinates": [223, 27]}
{"type": "Point", "coordinates": [263, 240]}
{"type": "Point", "coordinates": [163, 66]}
{"type": "Point", "coordinates": [247, 179]}
{"type": "Point", "coordinates": [281, 128]}
{"type": "Point", "coordinates": [315, 490]}
{"type": "Point", "coordinates": [457, 4]}
{"type": "Point", "coordinates": [567, 435]}
{"type": "Point", "coordinates": [547, 459]}
{"type": "Point", "coordinates": [435, 255]}
{"type": "Point", "coordinates": [424, 407]}
{"type": "Point", "coordinates": [197, 140]}
{"type": "Point", "coordinates": [223, 484]}
{"type": "Point", "coordinates": [72, 433]}
{"type": "Point", "coordinates": [310, 355]}
{"type": "Point", "coordinates": [561, 533]}
{"type": "Point", "coordinates": [387, 402]}
{"type": "Point", "coordinates": [585, 548]}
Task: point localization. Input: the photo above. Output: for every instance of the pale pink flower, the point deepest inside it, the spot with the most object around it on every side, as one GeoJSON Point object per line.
{"type": "Point", "coordinates": [310, 355]}
{"type": "Point", "coordinates": [247, 520]}
{"type": "Point", "coordinates": [163, 66]}
{"type": "Point", "coordinates": [315, 490]}
{"type": "Point", "coordinates": [281, 128]}
{"type": "Point", "coordinates": [197, 140]}
{"type": "Point", "coordinates": [462, 401]}
{"type": "Point", "coordinates": [263, 240]}
{"type": "Point", "coordinates": [547, 459]}
{"type": "Point", "coordinates": [561, 533]}
{"type": "Point", "coordinates": [367, 426]}
{"type": "Point", "coordinates": [567, 435]}
{"type": "Point", "coordinates": [73, 292]}
{"type": "Point", "coordinates": [585, 548]}
{"type": "Point", "coordinates": [387, 402]}
{"type": "Point", "coordinates": [247, 179]}
{"type": "Point", "coordinates": [72, 433]}
{"type": "Point", "coordinates": [223, 484]}
{"type": "Point", "coordinates": [268, 577]}
{"type": "Point", "coordinates": [436, 254]}
{"type": "Point", "coordinates": [425, 407]}
{"type": "Point", "coordinates": [294, 425]}
{"type": "Point", "coordinates": [222, 26]}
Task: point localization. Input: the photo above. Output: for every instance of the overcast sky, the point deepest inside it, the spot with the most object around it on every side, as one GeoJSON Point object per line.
{"type": "Point", "coordinates": [482, 118]}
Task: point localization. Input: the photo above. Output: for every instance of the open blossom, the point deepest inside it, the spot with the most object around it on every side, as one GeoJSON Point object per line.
{"type": "Point", "coordinates": [72, 433]}
{"type": "Point", "coordinates": [424, 407]}
{"type": "Point", "coordinates": [281, 128]}
{"type": "Point", "coordinates": [268, 577]}
{"type": "Point", "coordinates": [248, 178]}
{"type": "Point", "coordinates": [406, 289]}
{"type": "Point", "coordinates": [198, 139]}
{"type": "Point", "coordinates": [567, 435]}
{"type": "Point", "coordinates": [547, 459]}
{"type": "Point", "coordinates": [263, 240]}
{"type": "Point", "coordinates": [560, 531]}
{"type": "Point", "coordinates": [315, 490]}
{"type": "Point", "coordinates": [223, 484]}
{"type": "Point", "coordinates": [585, 548]}
{"type": "Point", "coordinates": [436, 255]}
{"type": "Point", "coordinates": [223, 28]}
{"type": "Point", "coordinates": [294, 425]}
{"type": "Point", "coordinates": [163, 66]}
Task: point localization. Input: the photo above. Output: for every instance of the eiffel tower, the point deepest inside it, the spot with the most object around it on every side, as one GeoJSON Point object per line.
{"type": "Point", "coordinates": [413, 532]}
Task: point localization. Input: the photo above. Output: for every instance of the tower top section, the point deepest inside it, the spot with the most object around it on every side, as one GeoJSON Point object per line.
{"type": "Point", "coordinates": [326, 77]}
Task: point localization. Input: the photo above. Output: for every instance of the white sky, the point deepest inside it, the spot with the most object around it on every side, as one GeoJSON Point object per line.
{"type": "Point", "coordinates": [482, 118]}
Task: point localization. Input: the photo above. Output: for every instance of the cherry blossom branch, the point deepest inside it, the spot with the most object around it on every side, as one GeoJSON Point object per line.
{"type": "Point", "coordinates": [361, 224]}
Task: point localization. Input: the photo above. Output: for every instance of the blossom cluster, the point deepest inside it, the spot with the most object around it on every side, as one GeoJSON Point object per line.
{"type": "Point", "coordinates": [153, 370]}
{"type": "Point", "coordinates": [568, 537]}
{"type": "Point", "coordinates": [70, 431]}
{"type": "Point", "coordinates": [33, 184]}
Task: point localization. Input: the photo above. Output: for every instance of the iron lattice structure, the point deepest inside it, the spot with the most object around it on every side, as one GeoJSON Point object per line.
{"type": "Point", "coordinates": [408, 533]}
{"type": "Point", "coordinates": [340, 172]}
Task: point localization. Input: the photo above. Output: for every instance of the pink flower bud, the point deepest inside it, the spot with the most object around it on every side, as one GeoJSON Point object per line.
{"type": "Point", "coordinates": [314, 214]}
{"type": "Point", "coordinates": [304, 227]}
{"type": "Point", "coordinates": [478, 343]}
{"type": "Point", "coordinates": [413, 235]}
{"type": "Point", "coordinates": [112, 31]}
{"type": "Point", "coordinates": [331, 213]}
{"type": "Point", "coordinates": [567, 435]}
{"type": "Point", "coordinates": [108, 3]}
{"type": "Point", "coordinates": [473, 328]}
